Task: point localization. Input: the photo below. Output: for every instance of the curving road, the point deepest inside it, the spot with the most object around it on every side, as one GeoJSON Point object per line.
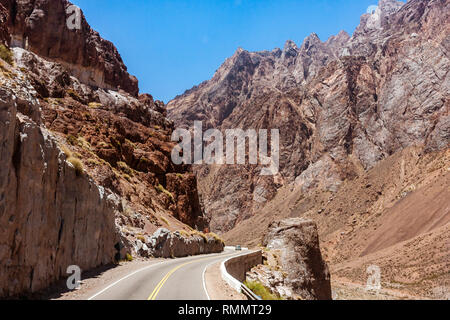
{"type": "Point", "coordinates": [177, 279]}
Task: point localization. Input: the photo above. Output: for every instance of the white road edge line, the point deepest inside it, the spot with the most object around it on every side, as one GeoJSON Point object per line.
{"type": "Point", "coordinates": [204, 280]}
{"type": "Point", "coordinates": [126, 277]}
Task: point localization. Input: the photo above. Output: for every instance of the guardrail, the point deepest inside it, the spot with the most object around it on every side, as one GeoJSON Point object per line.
{"type": "Point", "coordinates": [249, 293]}
{"type": "Point", "coordinates": [240, 268]}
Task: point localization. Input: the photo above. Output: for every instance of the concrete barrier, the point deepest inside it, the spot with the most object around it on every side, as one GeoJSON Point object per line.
{"type": "Point", "coordinates": [233, 270]}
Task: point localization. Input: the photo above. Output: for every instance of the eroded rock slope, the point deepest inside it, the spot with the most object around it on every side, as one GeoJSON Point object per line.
{"type": "Point", "coordinates": [85, 167]}
{"type": "Point", "coordinates": [341, 106]}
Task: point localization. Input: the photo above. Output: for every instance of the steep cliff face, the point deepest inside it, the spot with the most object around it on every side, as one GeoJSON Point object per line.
{"type": "Point", "coordinates": [4, 35]}
{"type": "Point", "coordinates": [122, 141]}
{"type": "Point", "coordinates": [41, 27]}
{"type": "Point", "coordinates": [85, 162]}
{"type": "Point", "coordinates": [341, 105]}
{"type": "Point", "coordinates": [51, 216]}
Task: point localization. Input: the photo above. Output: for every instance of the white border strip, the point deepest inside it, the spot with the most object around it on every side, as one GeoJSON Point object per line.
{"type": "Point", "coordinates": [204, 279]}
{"type": "Point", "coordinates": [228, 278]}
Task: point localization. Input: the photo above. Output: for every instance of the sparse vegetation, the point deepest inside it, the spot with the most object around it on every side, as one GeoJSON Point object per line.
{"type": "Point", "coordinates": [125, 168]}
{"type": "Point", "coordinates": [200, 234]}
{"type": "Point", "coordinates": [128, 177]}
{"type": "Point", "coordinates": [260, 290]}
{"type": "Point", "coordinates": [72, 140]}
{"type": "Point", "coordinates": [93, 162]}
{"type": "Point", "coordinates": [129, 257]}
{"type": "Point", "coordinates": [77, 155]}
{"type": "Point", "coordinates": [53, 101]}
{"type": "Point", "coordinates": [77, 164]}
{"type": "Point", "coordinates": [130, 143]}
{"type": "Point", "coordinates": [165, 221]}
{"type": "Point", "coordinates": [104, 145]}
{"type": "Point", "coordinates": [6, 54]}
{"type": "Point", "coordinates": [84, 143]}
{"type": "Point", "coordinates": [73, 94]}
{"type": "Point", "coordinates": [78, 141]}
{"type": "Point", "coordinates": [216, 237]}
{"type": "Point", "coordinates": [66, 151]}
{"type": "Point", "coordinates": [6, 72]}
{"type": "Point", "coordinates": [184, 233]}
{"type": "Point", "coordinates": [161, 189]}
{"type": "Point", "coordinates": [94, 105]}
{"type": "Point", "coordinates": [204, 236]}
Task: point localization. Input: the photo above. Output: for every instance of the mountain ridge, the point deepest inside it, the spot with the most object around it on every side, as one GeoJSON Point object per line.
{"type": "Point", "coordinates": [332, 101]}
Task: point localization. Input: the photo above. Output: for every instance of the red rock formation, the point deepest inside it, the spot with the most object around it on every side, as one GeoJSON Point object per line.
{"type": "Point", "coordinates": [41, 27]}
{"type": "Point", "coordinates": [341, 105]}
{"type": "Point", "coordinates": [51, 215]}
{"type": "Point", "coordinates": [4, 35]}
{"type": "Point", "coordinates": [125, 141]}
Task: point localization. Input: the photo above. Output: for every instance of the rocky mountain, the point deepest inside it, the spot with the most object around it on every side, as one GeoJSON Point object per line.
{"type": "Point", "coordinates": [41, 27]}
{"type": "Point", "coordinates": [364, 137]}
{"type": "Point", "coordinates": [341, 106]}
{"type": "Point", "coordinates": [85, 172]}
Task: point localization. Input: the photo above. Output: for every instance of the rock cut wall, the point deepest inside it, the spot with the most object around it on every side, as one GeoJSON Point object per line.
{"type": "Point", "coordinates": [50, 215]}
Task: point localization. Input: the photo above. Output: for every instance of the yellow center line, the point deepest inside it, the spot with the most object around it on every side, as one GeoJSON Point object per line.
{"type": "Point", "coordinates": [167, 276]}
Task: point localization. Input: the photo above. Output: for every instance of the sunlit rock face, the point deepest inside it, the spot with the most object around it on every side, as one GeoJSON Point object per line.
{"type": "Point", "coordinates": [41, 27]}
{"type": "Point", "coordinates": [341, 105]}
{"type": "Point", "coordinates": [85, 167]}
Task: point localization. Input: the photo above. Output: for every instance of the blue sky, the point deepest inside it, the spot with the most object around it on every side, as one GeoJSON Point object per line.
{"type": "Point", "coordinates": [172, 45]}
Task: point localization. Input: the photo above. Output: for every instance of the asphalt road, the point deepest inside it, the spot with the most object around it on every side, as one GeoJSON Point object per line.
{"type": "Point", "coordinates": [177, 279]}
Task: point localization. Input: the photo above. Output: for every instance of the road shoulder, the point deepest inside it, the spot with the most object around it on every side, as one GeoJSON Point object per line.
{"type": "Point", "coordinates": [217, 288]}
{"type": "Point", "coordinates": [93, 282]}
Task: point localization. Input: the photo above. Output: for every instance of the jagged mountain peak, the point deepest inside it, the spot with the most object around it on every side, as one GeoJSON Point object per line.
{"type": "Point", "coordinates": [289, 44]}
{"type": "Point", "coordinates": [390, 6]}
{"type": "Point", "coordinates": [310, 41]}
{"type": "Point", "coordinates": [340, 93]}
{"type": "Point", "coordinates": [40, 27]}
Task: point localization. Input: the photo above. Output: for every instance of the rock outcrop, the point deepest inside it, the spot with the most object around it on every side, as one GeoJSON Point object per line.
{"type": "Point", "coordinates": [41, 27]}
{"type": "Point", "coordinates": [4, 35]}
{"type": "Point", "coordinates": [51, 215]}
{"type": "Point", "coordinates": [341, 106]}
{"type": "Point", "coordinates": [166, 244]}
{"type": "Point", "coordinates": [123, 142]}
{"type": "Point", "coordinates": [299, 271]}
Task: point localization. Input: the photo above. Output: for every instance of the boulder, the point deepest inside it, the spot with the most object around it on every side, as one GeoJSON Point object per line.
{"type": "Point", "coordinates": [165, 244]}
{"type": "Point", "coordinates": [306, 273]}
